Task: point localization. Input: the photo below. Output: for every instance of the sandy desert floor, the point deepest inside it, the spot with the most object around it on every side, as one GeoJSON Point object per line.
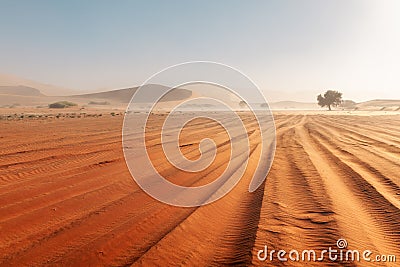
{"type": "Point", "coordinates": [67, 197]}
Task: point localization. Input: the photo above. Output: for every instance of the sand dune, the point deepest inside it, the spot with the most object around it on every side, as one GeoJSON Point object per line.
{"type": "Point", "coordinates": [46, 89]}
{"type": "Point", "coordinates": [15, 91]}
{"type": "Point", "coordinates": [125, 95]}
{"type": "Point", "coordinates": [20, 90]}
{"type": "Point", "coordinates": [68, 198]}
{"type": "Point", "coordinates": [379, 105]}
{"type": "Point", "coordinates": [27, 96]}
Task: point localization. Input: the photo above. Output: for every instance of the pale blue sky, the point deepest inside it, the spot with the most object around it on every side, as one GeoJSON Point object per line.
{"type": "Point", "coordinates": [290, 48]}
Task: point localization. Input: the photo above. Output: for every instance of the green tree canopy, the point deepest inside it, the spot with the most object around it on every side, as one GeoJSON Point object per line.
{"type": "Point", "coordinates": [330, 98]}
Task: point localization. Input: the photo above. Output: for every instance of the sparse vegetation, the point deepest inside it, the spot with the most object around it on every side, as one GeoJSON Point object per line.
{"type": "Point", "coordinates": [14, 105]}
{"type": "Point", "coordinates": [62, 104]}
{"type": "Point", "coordinates": [99, 103]}
{"type": "Point", "coordinates": [61, 115]}
{"type": "Point", "coordinates": [348, 104]}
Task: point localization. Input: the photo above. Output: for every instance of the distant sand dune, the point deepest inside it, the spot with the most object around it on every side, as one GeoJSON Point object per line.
{"type": "Point", "coordinates": [28, 96]}
{"type": "Point", "coordinates": [46, 89]}
{"type": "Point", "coordinates": [125, 95]}
{"type": "Point", "coordinates": [20, 90]}
{"type": "Point", "coordinates": [15, 90]}
{"type": "Point", "coordinates": [379, 105]}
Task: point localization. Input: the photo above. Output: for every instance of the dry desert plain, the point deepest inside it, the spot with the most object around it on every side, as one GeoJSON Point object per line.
{"type": "Point", "coordinates": [67, 197]}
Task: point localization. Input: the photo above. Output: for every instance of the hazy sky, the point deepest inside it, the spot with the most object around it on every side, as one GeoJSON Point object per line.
{"type": "Point", "coordinates": [289, 48]}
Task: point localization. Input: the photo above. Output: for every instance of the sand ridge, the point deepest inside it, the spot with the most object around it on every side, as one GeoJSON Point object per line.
{"type": "Point", "coordinates": [67, 197]}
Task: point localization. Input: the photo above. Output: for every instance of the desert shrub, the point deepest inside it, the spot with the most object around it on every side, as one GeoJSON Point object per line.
{"type": "Point", "coordinates": [62, 104]}
{"type": "Point", "coordinates": [112, 113]}
{"type": "Point", "coordinates": [14, 105]}
{"type": "Point", "coordinates": [99, 103]}
{"type": "Point", "coordinates": [348, 104]}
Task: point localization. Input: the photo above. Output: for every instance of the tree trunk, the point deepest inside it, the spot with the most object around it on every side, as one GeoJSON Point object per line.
{"type": "Point", "coordinates": [329, 106]}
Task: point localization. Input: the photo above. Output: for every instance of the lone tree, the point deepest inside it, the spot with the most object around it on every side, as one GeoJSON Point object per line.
{"type": "Point", "coordinates": [330, 98]}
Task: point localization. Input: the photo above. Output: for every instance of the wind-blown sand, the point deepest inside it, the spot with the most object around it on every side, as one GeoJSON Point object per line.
{"type": "Point", "coordinates": [67, 197]}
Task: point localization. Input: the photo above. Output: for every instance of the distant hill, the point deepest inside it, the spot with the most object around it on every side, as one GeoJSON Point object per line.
{"type": "Point", "coordinates": [125, 95]}
{"type": "Point", "coordinates": [23, 92]}
{"type": "Point", "coordinates": [20, 90]}
{"type": "Point", "coordinates": [379, 104]}
{"type": "Point", "coordinates": [46, 89]}
{"type": "Point", "coordinates": [29, 96]}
